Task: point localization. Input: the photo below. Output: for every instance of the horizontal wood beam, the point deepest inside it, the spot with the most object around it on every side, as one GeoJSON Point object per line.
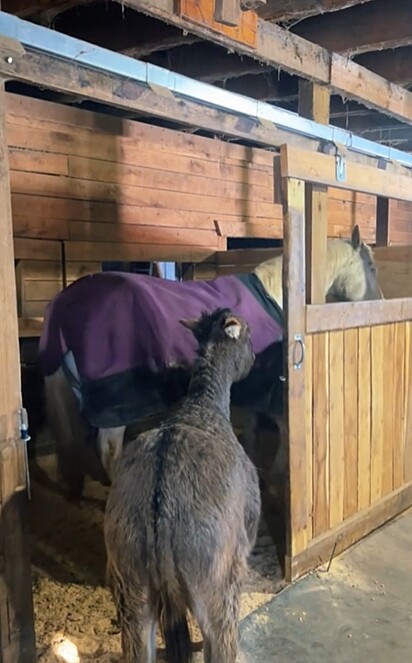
{"type": "Point", "coordinates": [274, 46]}
{"type": "Point", "coordinates": [351, 315]}
{"type": "Point", "coordinates": [282, 10]}
{"type": "Point", "coordinates": [352, 80]}
{"type": "Point", "coordinates": [280, 48]}
{"type": "Point", "coordinates": [321, 169]}
{"type": "Point", "coordinates": [395, 65]}
{"type": "Point", "coordinates": [266, 85]}
{"type": "Point", "coordinates": [72, 77]}
{"type": "Point", "coordinates": [366, 27]}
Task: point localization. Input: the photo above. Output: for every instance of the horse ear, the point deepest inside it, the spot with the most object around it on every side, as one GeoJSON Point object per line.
{"type": "Point", "coordinates": [355, 238]}
{"type": "Point", "coordinates": [232, 328]}
{"type": "Point", "coordinates": [189, 324]}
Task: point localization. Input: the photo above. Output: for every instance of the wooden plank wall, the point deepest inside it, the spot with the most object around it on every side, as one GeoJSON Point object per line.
{"type": "Point", "coordinates": [38, 281]}
{"type": "Point", "coordinates": [362, 451]}
{"type": "Point", "coordinates": [395, 270]}
{"type": "Point", "coordinates": [400, 222]}
{"type": "Point", "coordinates": [112, 189]}
{"type": "Point", "coordinates": [116, 189]}
{"type": "Point", "coordinates": [96, 181]}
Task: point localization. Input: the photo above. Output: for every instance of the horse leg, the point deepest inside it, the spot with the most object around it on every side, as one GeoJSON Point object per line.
{"type": "Point", "coordinates": [110, 446]}
{"type": "Point", "coordinates": [69, 430]}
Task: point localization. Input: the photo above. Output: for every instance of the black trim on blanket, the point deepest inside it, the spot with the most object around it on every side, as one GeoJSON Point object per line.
{"type": "Point", "coordinates": [254, 285]}
{"type": "Point", "coordinates": [124, 398]}
{"type": "Point", "coordinates": [134, 395]}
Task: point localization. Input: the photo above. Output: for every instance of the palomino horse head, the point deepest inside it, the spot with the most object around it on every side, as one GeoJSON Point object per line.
{"type": "Point", "coordinates": [350, 272]}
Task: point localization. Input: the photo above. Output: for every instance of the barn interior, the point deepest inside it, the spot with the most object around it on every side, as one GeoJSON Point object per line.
{"type": "Point", "coordinates": [108, 172]}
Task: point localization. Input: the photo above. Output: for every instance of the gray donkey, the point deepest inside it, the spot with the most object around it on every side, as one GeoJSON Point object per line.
{"type": "Point", "coordinates": [183, 512]}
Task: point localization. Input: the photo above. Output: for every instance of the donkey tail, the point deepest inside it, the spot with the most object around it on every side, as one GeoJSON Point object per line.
{"type": "Point", "coordinates": [175, 629]}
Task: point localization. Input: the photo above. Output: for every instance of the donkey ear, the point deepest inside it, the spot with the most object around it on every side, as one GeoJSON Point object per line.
{"type": "Point", "coordinates": [355, 238]}
{"type": "Point", "coordinates": [189, 324]}
{"type": "Point", "coordinates": [232, 328]}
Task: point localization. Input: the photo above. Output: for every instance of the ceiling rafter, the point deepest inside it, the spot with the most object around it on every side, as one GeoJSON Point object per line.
{"type": "Point", "coordinates": [209, 63]}
{"type": "Point", "coordinates": [121, 29]}
{"type": "Point", "coordinates": [395, 65]}
{"type": "Point", "coordinates": [373, 26]}
{"type": "Point", "coordinates": [297, 56]}
{"type": "Point", "coordinates": [282, 10]}
{"type": "Point", "coordinates": [35, 8]}
{"type": "Point", "coordinates": [265, 87]}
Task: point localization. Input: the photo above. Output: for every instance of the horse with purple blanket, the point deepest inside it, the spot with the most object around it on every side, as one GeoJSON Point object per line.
{"type": "Point", "coordinates": [113, 352]}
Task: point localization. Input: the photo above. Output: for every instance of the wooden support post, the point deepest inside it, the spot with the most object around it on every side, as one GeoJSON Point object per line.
{"type": "Point", "coordinates": [227, 12]}
{"type": "Point", "coordinates": [17, 643]}
{"type": "Point", "coordinates": [314, 102]}
{"type": "Point", "coordinates": [294, 306]}
{"type": "Point", "coordinates": [382, 221]}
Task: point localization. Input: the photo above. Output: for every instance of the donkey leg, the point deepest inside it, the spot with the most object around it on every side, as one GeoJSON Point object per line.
{"type": "Point", "coordinates": [69, 430]}
{"type": "Point", "coordinates": [219, 617]}
{"type": "Point", "coordinates": [110, 445]}
{"type": "Point", "coordinates": [137, 618]}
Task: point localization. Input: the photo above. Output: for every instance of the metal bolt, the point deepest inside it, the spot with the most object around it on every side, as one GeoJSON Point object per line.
{"type": "Point", "coordinates": [9, 60]}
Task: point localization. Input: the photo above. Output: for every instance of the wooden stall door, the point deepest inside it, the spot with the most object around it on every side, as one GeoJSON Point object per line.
{"type": "Point", "coordinates": [349, 396]}
{"type": "Point", "coordinates": [17, 643]}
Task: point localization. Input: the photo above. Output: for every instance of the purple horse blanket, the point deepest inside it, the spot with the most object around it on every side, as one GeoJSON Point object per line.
{"type": "Point", "coordinates": [123, 329]}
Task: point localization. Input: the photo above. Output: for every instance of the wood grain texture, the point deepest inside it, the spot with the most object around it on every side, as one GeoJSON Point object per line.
{"type": "Point", "coordinates": [378, 409]}
{"type": "Point", "coordinates": [321, 425]}
{"type": "Point", "coordinates": [364, 417]}
{"type": "Point", "coordinates": [350, 505]}
{"type": "Point", "coordinates": [17, 641]}
{"type": "Point", "coordinates": [337, 439]}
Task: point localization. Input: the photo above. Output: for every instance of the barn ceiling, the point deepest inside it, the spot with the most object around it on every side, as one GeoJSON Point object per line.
{"type": "Point", "coordinates": [375, 33]}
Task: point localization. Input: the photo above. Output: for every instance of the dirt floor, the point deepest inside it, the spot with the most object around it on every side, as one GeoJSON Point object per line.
{"type": "Point", "coordinates": [75, 616]}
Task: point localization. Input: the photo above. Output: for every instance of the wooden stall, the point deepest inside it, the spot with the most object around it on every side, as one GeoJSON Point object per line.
{"type": "Point", "coordinates": [350, 456]}
{"type": "Point", "coordinates": [83, 188]}
{"type": "Point", "coordinates": [77, 224]}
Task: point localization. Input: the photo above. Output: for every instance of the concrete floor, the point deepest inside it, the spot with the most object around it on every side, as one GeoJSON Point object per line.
{"type": "Point", "coordinates": [358, 612]}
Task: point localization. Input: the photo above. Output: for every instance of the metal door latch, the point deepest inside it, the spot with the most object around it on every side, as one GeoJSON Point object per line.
{"type": "Point", "coordinates": [298, 347]}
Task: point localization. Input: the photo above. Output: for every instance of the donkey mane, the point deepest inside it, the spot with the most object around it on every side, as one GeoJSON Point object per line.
{"type": "Point", "coordinates": [344, 270]}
